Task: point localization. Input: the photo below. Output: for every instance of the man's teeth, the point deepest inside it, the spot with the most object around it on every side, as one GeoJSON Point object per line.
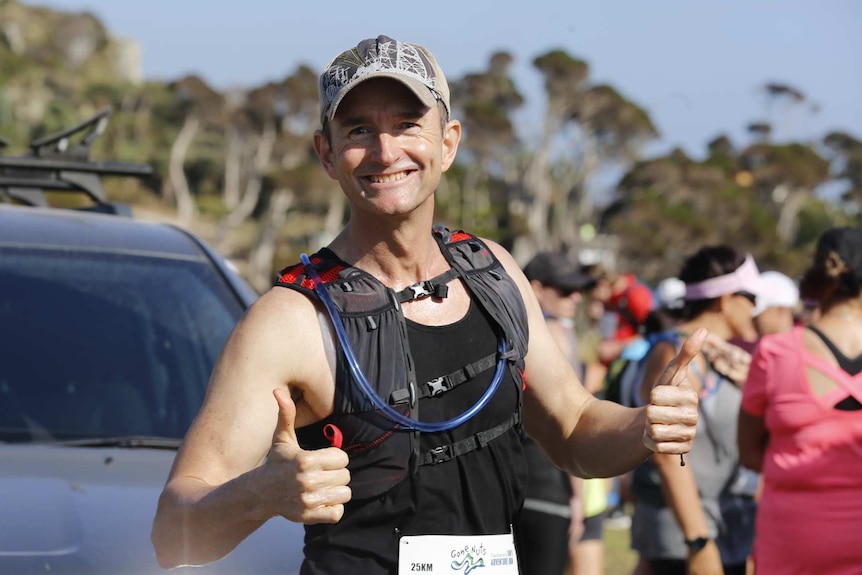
{"type": "Point", "coordinates": [385, 179]}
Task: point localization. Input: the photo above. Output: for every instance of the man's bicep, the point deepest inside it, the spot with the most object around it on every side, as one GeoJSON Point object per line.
{"type": "Point", "coordinates": [232, 432]}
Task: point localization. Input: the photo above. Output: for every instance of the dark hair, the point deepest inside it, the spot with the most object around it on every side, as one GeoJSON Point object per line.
{"type": "Point", "coordinates": [661, 320]}
{"type": "Point", "coordinates": [708, 262]}
{"type": "Point", "coordinates": [836, 272]}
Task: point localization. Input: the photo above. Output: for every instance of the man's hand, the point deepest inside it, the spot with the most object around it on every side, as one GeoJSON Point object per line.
{"type": "Point", "coordinates": [302, 486]}
{"type": "Point", "coordinates": [672, 410]}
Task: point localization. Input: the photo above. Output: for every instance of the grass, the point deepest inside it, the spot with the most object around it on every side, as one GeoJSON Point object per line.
{"type": "Point", "coordinates": [619, 558]}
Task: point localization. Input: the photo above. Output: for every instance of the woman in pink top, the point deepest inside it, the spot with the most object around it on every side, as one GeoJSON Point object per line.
{"type": "Point", "coordinates": [801, 424]}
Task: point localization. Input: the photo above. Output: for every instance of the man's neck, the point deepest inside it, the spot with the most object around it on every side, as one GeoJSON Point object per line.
{"type": "Point", "coordinates": [397, 253]}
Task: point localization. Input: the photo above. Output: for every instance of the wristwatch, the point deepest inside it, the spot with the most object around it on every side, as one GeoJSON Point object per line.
{"type": "Point", "coordinates": [696, 544]}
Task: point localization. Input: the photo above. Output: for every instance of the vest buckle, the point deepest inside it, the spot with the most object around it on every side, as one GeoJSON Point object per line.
{"type": "Point", "coordinates": [438, 385]}
{"type": "Point", "coordinates": [440, 454]}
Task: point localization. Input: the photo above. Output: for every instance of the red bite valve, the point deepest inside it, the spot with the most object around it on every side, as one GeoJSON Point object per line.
{"type": "Point", "coordinates": [333, 434]}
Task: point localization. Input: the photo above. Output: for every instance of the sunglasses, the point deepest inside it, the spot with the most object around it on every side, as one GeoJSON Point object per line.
{"type": "Point", "coordinates": [564, 292]}
{"type": "Point", "coordinates": [747, 295]}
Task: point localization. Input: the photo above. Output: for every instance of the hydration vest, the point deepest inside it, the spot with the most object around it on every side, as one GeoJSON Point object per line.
{"type": "Point", "coordinates": [381, 452]}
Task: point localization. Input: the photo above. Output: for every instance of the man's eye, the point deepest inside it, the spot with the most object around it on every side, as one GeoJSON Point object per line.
{"type": "Point", "coordinates": [359, 131]}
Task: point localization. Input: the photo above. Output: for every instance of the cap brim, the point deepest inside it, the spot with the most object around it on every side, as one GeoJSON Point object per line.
{"type": "Point", "coordinates": [575, 282]}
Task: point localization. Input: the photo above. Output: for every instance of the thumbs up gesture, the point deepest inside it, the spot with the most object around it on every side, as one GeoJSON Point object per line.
{"type": "Point", "coordinates": [303, 486]}
{"type": "Point", "coordinates": [671, 416]}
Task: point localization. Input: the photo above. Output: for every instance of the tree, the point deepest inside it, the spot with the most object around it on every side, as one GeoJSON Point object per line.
{"type": "Point", "coordinates": [199, 105]}
{"type": "Point", "coordinates": [490, 146]}
{"type": "Point", "coordinates": [847, 156]}
{"type": "Point", "coordinates": [785, 177]}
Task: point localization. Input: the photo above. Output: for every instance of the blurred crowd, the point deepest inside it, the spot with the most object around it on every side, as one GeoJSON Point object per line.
{"type": "Point", "coordinates": [780, 402]}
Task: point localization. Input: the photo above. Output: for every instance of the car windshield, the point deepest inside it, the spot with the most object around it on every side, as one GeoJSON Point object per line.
{"type": "Point", "coordinates": [98, 345]}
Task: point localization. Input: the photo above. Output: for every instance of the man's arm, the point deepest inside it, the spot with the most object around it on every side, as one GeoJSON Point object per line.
{"type": "Point", "coordinates": [240, 463]}
{"type": "Point", "coordinates": [590, 437]}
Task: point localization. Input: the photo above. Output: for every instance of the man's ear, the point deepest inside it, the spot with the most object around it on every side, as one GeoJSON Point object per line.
{"type": "Point", "coordinates": [451, 139]}
{"type": "Point", "coordinates": [324, 152]}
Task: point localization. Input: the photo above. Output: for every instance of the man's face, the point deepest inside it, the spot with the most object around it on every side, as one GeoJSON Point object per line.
{"type": "Point", "coordinates": [386, 149]}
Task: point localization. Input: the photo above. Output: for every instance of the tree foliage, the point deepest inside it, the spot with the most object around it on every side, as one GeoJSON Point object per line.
{"type": "Point", "coordinates": [239, 164]}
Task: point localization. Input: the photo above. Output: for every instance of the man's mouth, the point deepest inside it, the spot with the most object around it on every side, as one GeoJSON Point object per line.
{"type": "Point", "coordinates": [388, 178]}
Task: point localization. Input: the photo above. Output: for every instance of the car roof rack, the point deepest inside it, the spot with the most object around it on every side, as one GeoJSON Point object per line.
{"type": "Point", "coordinates": [61, 162]}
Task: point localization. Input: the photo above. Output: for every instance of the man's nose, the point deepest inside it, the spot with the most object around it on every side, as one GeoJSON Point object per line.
{"type": "Point", "coordinates": [385, 148]}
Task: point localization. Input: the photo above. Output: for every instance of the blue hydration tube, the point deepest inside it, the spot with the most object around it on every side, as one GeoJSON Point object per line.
{"type": "Point", "coordinates": [388, 411]}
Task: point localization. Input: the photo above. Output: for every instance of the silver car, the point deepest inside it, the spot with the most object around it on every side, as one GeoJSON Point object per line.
{"type": "Point", "coordinates": [109, 329]}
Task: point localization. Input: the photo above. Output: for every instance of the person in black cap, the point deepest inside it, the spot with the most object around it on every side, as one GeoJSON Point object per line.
{"type": "Point", "coordinates": [559, 286]}
{"type": "Point", "coordinates": [378, 392]}
{"type": "Point", "coordinates": [553, 523]}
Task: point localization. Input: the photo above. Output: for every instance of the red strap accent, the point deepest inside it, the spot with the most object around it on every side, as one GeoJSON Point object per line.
{"type": "Point", "coordinates": [459, 237]}
{"type": "Point", "coordinates": [331, 274]}
{"type": "Point", "coordinates": [292, 274]}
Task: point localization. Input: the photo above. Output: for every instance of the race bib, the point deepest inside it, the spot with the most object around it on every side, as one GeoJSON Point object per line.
{"type": "Point", "coordinates": [454, 554]}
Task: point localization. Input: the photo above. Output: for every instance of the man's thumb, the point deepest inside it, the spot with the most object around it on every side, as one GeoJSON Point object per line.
{"type": "Point", "coordinates": [284, 428]}
{"type": "Point", "coordinates": [677, 371]}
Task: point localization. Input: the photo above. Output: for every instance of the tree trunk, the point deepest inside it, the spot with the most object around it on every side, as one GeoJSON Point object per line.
{"type": "Point", "coordinates": [788, 218]}
{"type": "Point", "coordinates": [334, 219]}
{"type": "Point", "coordinates": [233, 158]}
{"type": "Point", "coordinates": [253, 186]}
{"type": "Point", "coordinates": [260, 267]}
{"type": "Point", "coordinates": [186, 209]}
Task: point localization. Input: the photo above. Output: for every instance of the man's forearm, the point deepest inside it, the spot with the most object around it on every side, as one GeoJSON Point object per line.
{"type": "Point", "coordinates": [608, 440]}
{"type": "Point", "coordinates": [197, 523]}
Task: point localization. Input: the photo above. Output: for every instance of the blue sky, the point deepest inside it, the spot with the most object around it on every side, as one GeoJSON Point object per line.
{"type": "Point", "coordinates": [697, 67]}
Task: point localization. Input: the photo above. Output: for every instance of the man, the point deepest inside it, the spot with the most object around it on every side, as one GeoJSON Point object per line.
{"type": "Point", "coordinates": [424, 433]}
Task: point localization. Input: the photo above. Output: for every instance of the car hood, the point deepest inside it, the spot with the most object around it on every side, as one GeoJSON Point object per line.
{"type": "Point", "coordinates": [80, 510]}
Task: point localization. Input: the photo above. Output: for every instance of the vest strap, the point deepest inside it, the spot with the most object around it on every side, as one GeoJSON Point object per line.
{"type": "Point", "coordinates": [481, 439]}
{"type": "Point", "coordinates": [436, 287]}
{"type": "Point", "coordinates": [446, 382]}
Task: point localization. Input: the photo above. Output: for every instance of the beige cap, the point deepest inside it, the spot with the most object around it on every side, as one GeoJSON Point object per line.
{"type": "Point", "coordinates": [383, 57]}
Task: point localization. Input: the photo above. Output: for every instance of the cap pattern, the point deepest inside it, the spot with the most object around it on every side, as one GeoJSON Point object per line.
{"type": "Point", "coordinates": [382, 55]}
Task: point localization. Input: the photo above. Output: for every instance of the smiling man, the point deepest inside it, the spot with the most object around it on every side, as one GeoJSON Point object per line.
{"type": "Point", "coordinates": [377, 394]}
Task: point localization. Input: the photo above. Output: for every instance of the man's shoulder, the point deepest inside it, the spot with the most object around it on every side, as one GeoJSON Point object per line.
{"type": "Point", "coordinates": [282, 306]}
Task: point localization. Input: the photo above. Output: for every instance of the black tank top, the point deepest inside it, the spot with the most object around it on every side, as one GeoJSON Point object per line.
{"type": "Point", "coordinates": [476, 493]}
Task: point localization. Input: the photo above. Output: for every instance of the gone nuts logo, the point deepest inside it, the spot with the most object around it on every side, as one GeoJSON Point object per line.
{"type": "Point", "coordinates": [468, 558]}
{"type": "Point", "coordinates": [467, 564]}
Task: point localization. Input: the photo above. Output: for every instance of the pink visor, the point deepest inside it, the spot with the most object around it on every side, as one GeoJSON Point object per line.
{"type": "Point", "coordinates": [744, 278]}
